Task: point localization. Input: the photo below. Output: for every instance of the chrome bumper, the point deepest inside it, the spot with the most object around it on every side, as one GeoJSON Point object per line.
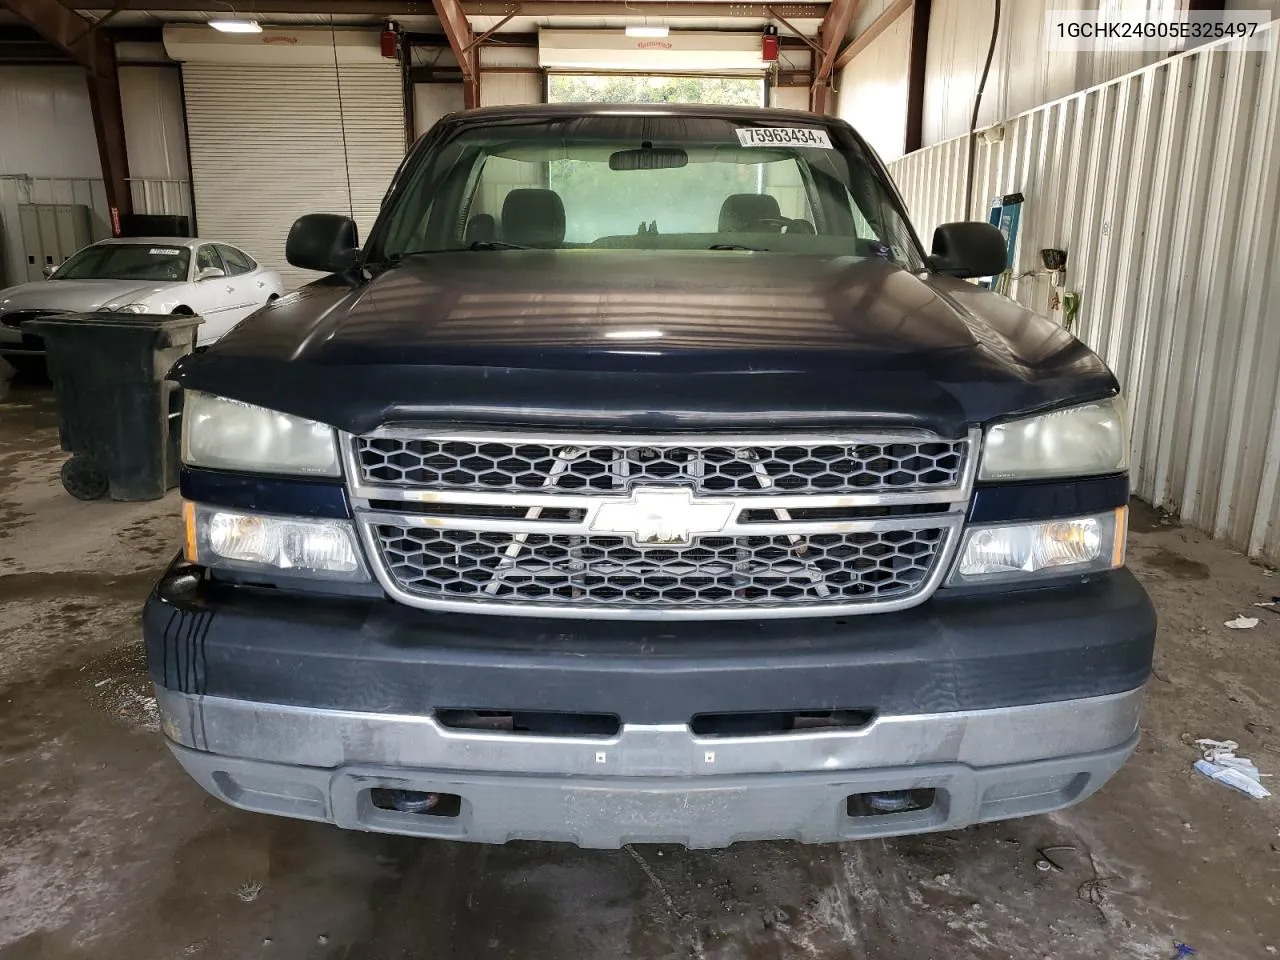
{"type": "Point", "coordinates": [308, 737]}
{"type": "Point", "coordinates": [651, 783]}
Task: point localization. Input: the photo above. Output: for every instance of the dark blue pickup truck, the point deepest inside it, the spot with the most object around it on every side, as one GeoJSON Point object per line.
{"type": "Point", "coordinates": [642, 479]}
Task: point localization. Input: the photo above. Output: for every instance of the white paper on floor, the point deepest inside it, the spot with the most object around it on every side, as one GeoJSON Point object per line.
{"type": "Point", "coordinates": [1241, 623]}
{"type": "Point", "coordinates": [1219, 762]}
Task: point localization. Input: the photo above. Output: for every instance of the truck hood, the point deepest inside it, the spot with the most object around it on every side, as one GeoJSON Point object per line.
{"type": "Point", "coordinates": [652, 339]}
{"type": "Point", "coordinates": [73, 296]}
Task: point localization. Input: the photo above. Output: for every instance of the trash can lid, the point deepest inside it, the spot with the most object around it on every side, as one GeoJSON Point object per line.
{"type": "Point", "coordinates": [168, 321]}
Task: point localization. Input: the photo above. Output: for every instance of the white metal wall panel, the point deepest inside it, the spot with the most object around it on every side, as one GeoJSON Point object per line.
{"type": "Point", "coordinates": [868, 12]}
{"type": "Point", "coordinates": [873, 89]}
{"type": "Point", "coordinates": [270, 143]}
{"type": "Point", "coordinates": [46, 128]}
{"type": "Point", "coordinates": [48, 153]}
{"type": "Point", "coordinates": [1164, 189]}
{"type": "Point", "coordinates": [507, 89]}
{"type": "Point", "coordinates": [161, 196]}
{"type": "Point", "coordinates": [155, 133]}
{"type": "Point", "coordinates": [789, 98]}
{"type": "Point", "coordinates": [497, 54]}
{"type": "Point", "coordinates": [1024, 71]}
{"type": "Point", "coordinates": [431, 101]}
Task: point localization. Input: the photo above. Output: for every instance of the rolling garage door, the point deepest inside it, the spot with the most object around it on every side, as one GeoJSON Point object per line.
{"type": "Point", "coordinates": [272, 142]}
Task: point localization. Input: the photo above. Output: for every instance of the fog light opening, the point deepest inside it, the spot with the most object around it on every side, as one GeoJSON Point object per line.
{"type": "Point", "coordinates": [417, 802]}
{"type": "Point", "coordinates": [889, 802]}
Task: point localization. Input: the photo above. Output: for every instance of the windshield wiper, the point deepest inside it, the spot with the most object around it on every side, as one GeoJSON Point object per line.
{"type": "Point", "coordinates": [737, 246]}
{"type": "Point", "coordinates": [477, 245]}
{"type": "Point", "coordinates": [497, 245]}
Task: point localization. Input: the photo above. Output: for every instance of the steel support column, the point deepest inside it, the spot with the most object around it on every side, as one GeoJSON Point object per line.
{"type": "Point", "coordinates": [917, 60]}
{"type": "Point", "coordinates": [835, 25]}
{"type": "Point", "coordinates": [457, 29]}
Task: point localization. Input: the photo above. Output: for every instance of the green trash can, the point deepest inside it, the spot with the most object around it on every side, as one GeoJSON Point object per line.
{"type": "Point", "coordinates": [117, 415]}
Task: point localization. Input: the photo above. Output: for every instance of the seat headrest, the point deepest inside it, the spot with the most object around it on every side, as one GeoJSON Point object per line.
{"type": "Point", "coordinates": [533, 218]}
{"type": "Point", "coordinates": [481, 228]}
{"type": "Point", "coordinates": [740, 211]}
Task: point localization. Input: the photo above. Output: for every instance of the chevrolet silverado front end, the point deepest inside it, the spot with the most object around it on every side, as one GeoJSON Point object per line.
{"type": "Point", "coordinates": [750, 522]}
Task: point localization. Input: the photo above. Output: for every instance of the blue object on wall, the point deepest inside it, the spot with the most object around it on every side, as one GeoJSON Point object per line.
{"type": "Point", "coordinates": [1005, 213]}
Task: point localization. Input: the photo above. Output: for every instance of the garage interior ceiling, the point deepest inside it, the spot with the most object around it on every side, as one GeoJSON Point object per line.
{"type": "Point", "coordinates": [483, 16]}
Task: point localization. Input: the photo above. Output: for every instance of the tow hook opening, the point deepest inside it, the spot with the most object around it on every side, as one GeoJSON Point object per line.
{"type": "Point", "coordinates": [887, 802]}
{"type": "Point", "coordinates": [416, 801]}
{"type": "Point", "coordinates": [776, 722]}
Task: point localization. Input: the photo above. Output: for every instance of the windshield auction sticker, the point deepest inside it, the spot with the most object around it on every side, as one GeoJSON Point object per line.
{"type": "Point", "coordinates": [163, 252]}
{"type": "Point", "coordinates": [783, 137]}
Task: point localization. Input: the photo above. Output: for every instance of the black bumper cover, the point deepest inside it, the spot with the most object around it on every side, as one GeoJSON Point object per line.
{"type": "Point", "coordinates": [952, 653]}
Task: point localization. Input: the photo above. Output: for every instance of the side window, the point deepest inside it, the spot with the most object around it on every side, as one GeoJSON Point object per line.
{"type": "Point", "coordinates": [237, 261]}
{"type": "Point", "coordinates": [206, 256]}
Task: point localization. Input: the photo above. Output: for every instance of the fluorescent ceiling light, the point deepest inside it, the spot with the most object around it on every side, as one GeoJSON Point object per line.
{"type": "Point", "coordinates": [644, 30]}
{"type": "Point", "coordinates": [236, 26]}
{"type": "Point", "coordinates": [633, 334]}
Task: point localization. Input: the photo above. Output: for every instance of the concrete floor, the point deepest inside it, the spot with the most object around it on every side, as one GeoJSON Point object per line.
{"type": "Point", "coordinates": [108, 851]}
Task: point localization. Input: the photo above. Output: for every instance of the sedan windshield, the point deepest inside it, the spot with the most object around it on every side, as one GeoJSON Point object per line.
{"type": "Point", "coordinates": [126, 261]}
{"type": "Point", "coordinates": [645, 182]}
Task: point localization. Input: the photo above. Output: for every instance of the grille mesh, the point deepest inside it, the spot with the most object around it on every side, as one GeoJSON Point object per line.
{"type": "Point", "coordinates": [610, 571]}
{"type": "Point", "coordinates": [827, 468]}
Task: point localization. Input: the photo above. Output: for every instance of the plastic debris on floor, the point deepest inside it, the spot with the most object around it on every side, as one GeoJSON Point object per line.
{"type": "Point", "coordinates": [1218, 761]}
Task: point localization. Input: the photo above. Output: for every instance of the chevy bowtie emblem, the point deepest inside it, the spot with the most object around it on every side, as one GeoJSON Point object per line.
{"type": "Point", "coordinates": [662, 515]}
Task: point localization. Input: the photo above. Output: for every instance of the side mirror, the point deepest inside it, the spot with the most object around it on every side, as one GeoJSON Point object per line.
{"type": "Point", "coordinates": [48, 270]}
{"type": "Point", "coordinates": [322, 241]}
{"type": "Point", "coordinates": [210, 273]}
{"type": "Point", "coordinates": [968, 248]}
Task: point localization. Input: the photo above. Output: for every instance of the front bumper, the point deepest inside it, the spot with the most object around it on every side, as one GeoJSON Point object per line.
{"type": "Point", "coordinates": [650, 783]}
{"type": "Point", "coordinates": [1004, 704]}
{"type": "Point", "coordinates": [14, 344]}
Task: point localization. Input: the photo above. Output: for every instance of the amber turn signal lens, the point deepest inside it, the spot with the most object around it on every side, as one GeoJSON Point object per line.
{"type": "Point", "coordinates": [189, 538]}
{"type": "Point", "coordinates": [1121, 537]}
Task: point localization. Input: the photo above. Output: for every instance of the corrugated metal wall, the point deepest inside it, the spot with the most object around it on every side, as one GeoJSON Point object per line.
{"type": "Point", "coordinates": [1164, 189]}
{"type": "Point", "coordinates": [48, 128]}
{"type": "Point", "coordinates": [1024, 72]}
{"type": "Point", "coordinates": [155, 133]}
{"type": "Point", "coordinates": [55, 159]}
{"type": "Point", "coordinates": [506, 89]}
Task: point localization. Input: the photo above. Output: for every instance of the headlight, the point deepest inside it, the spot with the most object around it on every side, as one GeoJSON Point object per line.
{"type": "Point", "coordinates": [252, 542]}
{"type": "Point", "coordinates": [1092, 438]}
{"type": "Point", "coordinates": [1048, 548]}
{"type": "Point", "coordinates": [229, 435]}
{"type": "Point", "coordinates": [127, 308]}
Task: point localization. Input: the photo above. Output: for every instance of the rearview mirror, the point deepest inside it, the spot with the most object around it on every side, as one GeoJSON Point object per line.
{"type": "Point", "coordinates": [967, 249]}
{"type": "Point", "coordinates": [210, 273]}
{"type": "Point", "coordinates": [48, 270]}
{"type": "Point", "coordinates": [649, 158]}
{"type": "Point", "coordinates": [323, 241]}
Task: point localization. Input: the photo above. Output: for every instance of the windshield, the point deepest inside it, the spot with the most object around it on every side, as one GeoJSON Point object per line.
{"type": "Point", "coordinates": [638, 182]}
{"type": "Point", "coordinates": [126, 261]}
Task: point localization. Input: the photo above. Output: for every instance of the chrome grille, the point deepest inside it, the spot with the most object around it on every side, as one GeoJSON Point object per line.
{"type": "Point", "coordinates": [721, 526]}
{"type": "Point", "coordinates": [863, 466]}
{"type": "Point", "coordinates": [824, 568]}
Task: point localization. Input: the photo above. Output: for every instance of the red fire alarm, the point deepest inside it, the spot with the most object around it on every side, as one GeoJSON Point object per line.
{"type": "Point", "coordinates": [769, 44]}
{"type": "Point", "coordinates": [390, 39]}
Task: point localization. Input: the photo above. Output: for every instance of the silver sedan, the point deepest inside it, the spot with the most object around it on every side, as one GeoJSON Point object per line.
{"type": "Point", "coordinates": [216, 281]}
